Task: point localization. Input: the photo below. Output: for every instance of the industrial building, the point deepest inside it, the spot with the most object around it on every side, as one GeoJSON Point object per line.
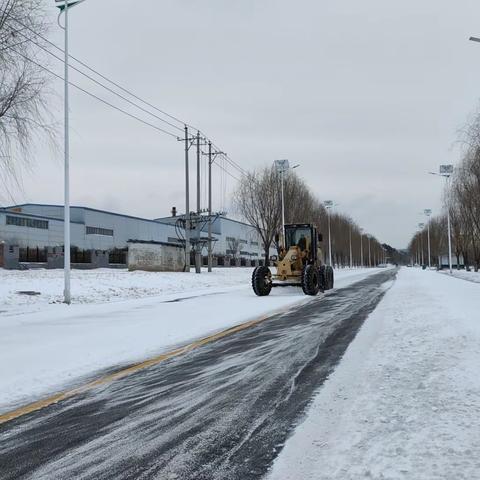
{"type": "Point", "coordinates": [33, 234]}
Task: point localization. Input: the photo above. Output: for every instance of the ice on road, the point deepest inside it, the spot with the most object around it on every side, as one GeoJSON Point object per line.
{"type": "Point", "coordinates": [404, 403]}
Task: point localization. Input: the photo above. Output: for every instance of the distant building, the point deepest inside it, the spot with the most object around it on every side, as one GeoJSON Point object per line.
{"type": "Point", "coordinates": [33, 233]}
{"type": "Point", "coordinates": [443, 261]}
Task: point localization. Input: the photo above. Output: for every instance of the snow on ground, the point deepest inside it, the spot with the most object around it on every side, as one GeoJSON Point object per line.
{"type": "Point", "coordinates": [404, 402]}
{"type": "Point", "coordinates": [105, 285]}
{"type": "Point", "coordinates": [464, 275]}
{"type": "Point", "coordinates": [45, 346]}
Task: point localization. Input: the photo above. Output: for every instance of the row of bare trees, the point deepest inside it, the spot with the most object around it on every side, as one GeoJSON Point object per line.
{"type": "Point", "coordinates": [462, 201]}
{"type": "Point", "coordinates": [258, 200]}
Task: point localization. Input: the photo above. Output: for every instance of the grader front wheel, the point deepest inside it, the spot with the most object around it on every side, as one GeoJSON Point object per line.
{"type": "Point", "coordinates": [262, 281]}
{"type": "Point", "coordinates": [310, 280]}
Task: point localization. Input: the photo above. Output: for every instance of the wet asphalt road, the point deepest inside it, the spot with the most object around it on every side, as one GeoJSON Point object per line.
{"type": "Point", "coordinates": [223, 411]}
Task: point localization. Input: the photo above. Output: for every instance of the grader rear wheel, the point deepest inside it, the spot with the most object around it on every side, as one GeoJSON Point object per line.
{"type": "Point", "coordinates": [329, 277]}
{"type": "Point", "coordinates": [262, 281]}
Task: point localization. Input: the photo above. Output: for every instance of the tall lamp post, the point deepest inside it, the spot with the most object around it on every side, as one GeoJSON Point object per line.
{"type": "Point", "coordinates": [282, 166]}
{"type": "Point", "coordinates": [361, 248]}
{"type": "Point", "coordinates": [350, 241]}
{"type": "Point", "coordinates": [446, 171]}
{"type": "Point", "coordinates": [64, 6]}
{"type": "Point", "coordinates": [428, 212]}
{"type": "Point", "coordinates": [369, 253]}
{"type": "Point", "coordinates": [329, 205]}
{"type": "Point", "coordinates": [421, 226]}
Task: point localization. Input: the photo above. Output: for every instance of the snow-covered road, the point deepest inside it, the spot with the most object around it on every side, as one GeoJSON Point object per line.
{"type": "Point", "coordinates": [218, 412]}
{"type": "Point", "coordinates": [404, 403]}
{"type": "Point", "coordinates": [46, 347]}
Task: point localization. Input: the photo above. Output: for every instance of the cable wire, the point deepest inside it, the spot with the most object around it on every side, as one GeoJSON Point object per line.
{"type": "Point", "coordinates": [106, 78]}
{"type": "Point", "coordinates": [104, 86]}
{"type": "Point", "coordinates": [97, 97]}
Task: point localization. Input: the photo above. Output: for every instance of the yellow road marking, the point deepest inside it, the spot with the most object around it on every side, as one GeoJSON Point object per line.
{"type": "Point", "coordinates": [32, 407]}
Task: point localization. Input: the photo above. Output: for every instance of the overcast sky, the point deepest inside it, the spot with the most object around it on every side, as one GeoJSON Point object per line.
{"type": "Point", "coordinates": [366, 96]}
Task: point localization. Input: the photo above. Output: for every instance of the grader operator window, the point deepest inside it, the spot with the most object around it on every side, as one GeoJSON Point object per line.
{"type": "Point", "coordinates": [298, 236]}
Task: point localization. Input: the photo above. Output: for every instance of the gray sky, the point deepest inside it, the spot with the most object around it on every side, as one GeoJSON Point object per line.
{"type": "Point", "coordinates": [367, 96]}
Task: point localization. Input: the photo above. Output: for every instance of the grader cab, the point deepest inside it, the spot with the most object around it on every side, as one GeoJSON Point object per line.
{"type": "Point", "coordinates": [298, 264]}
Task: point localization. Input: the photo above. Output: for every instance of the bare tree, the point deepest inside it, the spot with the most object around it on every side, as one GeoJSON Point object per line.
{"type": "Point", "coordinates": [258, 200]}
{"type": "Point", "coordinates": [233, 247]}
{"type": "Point", "coordinates": [24, 86]}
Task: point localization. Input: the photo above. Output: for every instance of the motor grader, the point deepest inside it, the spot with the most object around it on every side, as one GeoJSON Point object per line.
{"type": "Point", "coordinates": [298, 264]}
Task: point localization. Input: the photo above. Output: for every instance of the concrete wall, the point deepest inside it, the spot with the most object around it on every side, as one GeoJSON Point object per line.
{"type": "Point", "coordinates": [155, 257]}
{"type": "Point", "coordinates": [9, 256]}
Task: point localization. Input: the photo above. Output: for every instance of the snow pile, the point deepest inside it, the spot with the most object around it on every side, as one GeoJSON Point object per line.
{"type": "Point", "coordinates": [404, 403]}
{"type": "Point", "coordinates": [44, 347]}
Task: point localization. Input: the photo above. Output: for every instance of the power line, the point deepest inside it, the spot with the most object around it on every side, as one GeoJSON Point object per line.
{"type": "Point", "coordinates": [96, 97]}
{"type": "Point", "coordinates": [104, 86]}
{"type": "Point", "coordinates": [227, 172]}
{"type": "Point", "coordinates": [106, 78]}
{"type": "Point", "coordinates": [226, 157]}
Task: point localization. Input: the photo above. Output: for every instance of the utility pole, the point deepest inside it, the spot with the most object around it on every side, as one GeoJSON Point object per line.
{"type": "Point", "coordinates": [198, 249]}
{"type": "Point", "coordinates": [187, 204]}
{"type": "Point", "coordinates": [210, 206]}
{"type": "Point", "coordinates": [211, 158]}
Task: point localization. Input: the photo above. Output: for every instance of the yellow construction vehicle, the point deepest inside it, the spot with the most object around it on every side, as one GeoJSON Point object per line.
{"type": "Point", "coordinates": [298, 264]}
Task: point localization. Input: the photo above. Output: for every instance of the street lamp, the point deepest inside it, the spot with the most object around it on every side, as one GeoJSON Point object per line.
{"type": "Point", "coordinates": [428, 212]}
{"type": "Point", "coordinates": [421, 226]}
{"type": "Point", "coordinates": [64, 7]}
{"type": "Point", "coordinates": [369, 253]}
{"type": "Point", "coordinates": [328, 205]}
{"type": "Point", "coordinates": [282, 166]}
{"type": "Point", "coordinates": [361, 248]}
{"type": "Point", "coordinates": [350, 242]}
{"type": "Point", "coordinates": [446, 171]}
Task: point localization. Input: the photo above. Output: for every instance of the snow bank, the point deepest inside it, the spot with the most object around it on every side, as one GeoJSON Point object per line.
{"type": "Point", "coordinates": [470, 276]}
{"type": "Point", "coordinates": [45, 346]}
{"type": "Point", "coordinates": [404, 403]}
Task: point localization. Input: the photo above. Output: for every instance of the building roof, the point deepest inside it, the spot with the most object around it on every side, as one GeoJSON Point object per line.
{"type": "Point", "coordinates": [43, 217]}
{"type": "Point", "coordinates": [78, 207]}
